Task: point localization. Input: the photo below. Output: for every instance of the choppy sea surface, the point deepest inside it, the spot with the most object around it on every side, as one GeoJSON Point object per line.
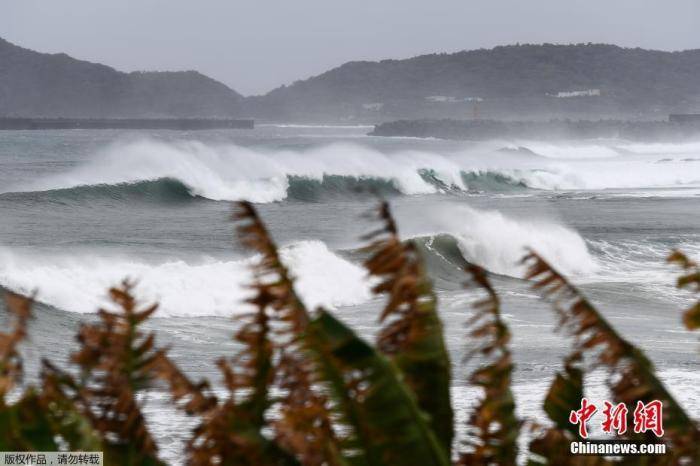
{"type": "Point", "coordinates": [81, 210]}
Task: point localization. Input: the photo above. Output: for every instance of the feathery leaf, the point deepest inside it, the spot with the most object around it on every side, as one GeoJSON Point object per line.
{"type": "Point", "coordinates": [390, 426]}
{"type": "Point", "coordinates": [493, 426]}
{"type": "Point", "coordinates": [412, 333]}
{"type": "Point", "coordinates": [20, 308]}
{"type": "Point", "coordinates": [116, 362]}
{"type": "Point", "coordinates": [690, 280]}
{"type": "Point", "coordinates": [632, 376]}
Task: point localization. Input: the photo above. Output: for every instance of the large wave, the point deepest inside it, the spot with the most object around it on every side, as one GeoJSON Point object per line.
{"type": "Point", "coordinates": [167, 170]}
{"type": "Point", "coordinates": [450, 235]}
{"type": "Point", "coordinates": [494, 240]}
{"type": "Point", "coordinates": [170, 190]}
{"type": "Point", "coordinates": [233, 173]}
{"type": "Point", "coordinates": [163, 190]}
{"type": "Point", "coordinates": [78, 282]}
{"type": "Point", "coordinates": [498, 242]}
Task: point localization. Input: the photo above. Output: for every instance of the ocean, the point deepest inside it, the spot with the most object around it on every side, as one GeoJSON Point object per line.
{"type": "Point", "coordinates": [80, 210]}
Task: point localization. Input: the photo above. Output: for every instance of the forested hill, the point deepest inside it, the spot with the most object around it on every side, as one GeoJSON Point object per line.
{"type": "Point", "coordinates": [587, 81]}
{"type": "Point", "coordinates": [521, 80]}
{"type": "Point", "coordinates": [40, 84]}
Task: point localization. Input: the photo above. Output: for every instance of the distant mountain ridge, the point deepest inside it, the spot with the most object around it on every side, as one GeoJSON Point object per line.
{"type": "Point", "coordinates": [34, 84]}
{"type": "Point", "coordinates": [509, 82]}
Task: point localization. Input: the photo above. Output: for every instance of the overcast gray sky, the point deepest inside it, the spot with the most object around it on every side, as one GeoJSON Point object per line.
{"type": "Point", "coordinates": [256, 45]}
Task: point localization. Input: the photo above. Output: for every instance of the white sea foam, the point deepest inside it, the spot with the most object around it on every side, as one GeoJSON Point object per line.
{"type": "Point", "coordinates": [570, 151]}
{"type": "Point", "coordinates": [78, 282]}
{"type": "Point", "coordinates": [498, 242]}
{"type": "Point", "coordinates": [618, 173]}
{"type": "Point", "coordinates": [643, 263]}
{"type": "Point", "coordinates": [234, 173]}
{"type": "Point", "coordinates": [230, 172]}
{"type": "Point", "coordinates": [605, 165]}
{"type": "Point", "coordinates": [662, 148]}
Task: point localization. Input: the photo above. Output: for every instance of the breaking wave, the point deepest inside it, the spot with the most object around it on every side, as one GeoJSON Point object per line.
{"type": "Point", "coordinates": [169, 190]}
{"type": "Point", "coordinates": [78, 282]}
{"type": "Point", "coordinates": [492, 182]}
{"type": "Point", "coordinates": [498, 243]}
{"type": "Point", "coordinates": [164, 190]}
{"type": "Point", "coordinates": [177, 171]}
{"type": "Point", "coordinates": [212, 286]}
{"type": "Point", "coordinates": [226, 173]}
{"type": "Point", "coordinates": [456, 234]}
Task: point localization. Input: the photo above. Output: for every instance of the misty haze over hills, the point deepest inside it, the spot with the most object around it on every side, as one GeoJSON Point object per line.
{"type": "Point", "coordinates": [56, 85]}
{"type": "Point", "coordinates": [523, 81]}
{"type": "Point", "coordinates": [511, 82]}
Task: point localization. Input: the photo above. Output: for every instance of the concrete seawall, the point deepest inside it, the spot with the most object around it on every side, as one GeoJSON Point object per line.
{"type": "Point", "coordinates": [181, 124]}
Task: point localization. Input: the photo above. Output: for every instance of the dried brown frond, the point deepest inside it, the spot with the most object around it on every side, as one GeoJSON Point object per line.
{"type": "Point", "coordinates": [116, 361]}
{"type": "Point", "coordinates": [400, 270]}
{"type": "Point", "coordinates": [20, 308]}
{"type": "Point", "coordinates": [632, 376]}
{"type": "Point", "coordinates": [304, 425]}
{"type": "Point", "coordinates": [690, 280]}
{"type": "Point", "coordinates": [412, 333]}
{"type": "Point", "coordinates": [551, 444]}
{"type": "Point", "coordinates": [225, 439]}
{"type": "Point", "coordinates": [273, 281]}
{"type": "Point", "coordinates": [231, 431]}
{"type": "Point", "coordinates": [193, 398]}
{"type": "Point", "coordinates": [589, 328]}
{"type": "Point", "coordinates": [492, 427]}
{"type": "Point", "coordinates": [59, 394]}
{"type": "Point", "coordinates": [252, 368]}
{"type": "Point", "coordinates": [273, 355]}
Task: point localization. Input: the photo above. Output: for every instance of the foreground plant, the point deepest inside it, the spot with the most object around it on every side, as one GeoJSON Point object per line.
{"type": "Point", "coordinates": [631, 375]}
{"type": "Point", "coordinates": [305, 389]}
{"type": "Point", "coordinates": [690, 280]}
{"type": "Point", "coordinates": [493, 425]}
{"type": "Point", "coordinates": [412, 334]}
{"type": "Point", "coordinates": [25, 424]}
{"type": "Point", "coordinates": [116, 361]}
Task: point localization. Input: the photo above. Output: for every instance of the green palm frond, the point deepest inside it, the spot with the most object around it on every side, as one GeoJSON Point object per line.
{"type": "Point", "coordinates": [493, 427]}
{"type": "Point", "coordinates": [631, 374]}
{"type": "Point", "coordinates": [391, 428]}
{"type": "Point", "coordinates": [412, 332]}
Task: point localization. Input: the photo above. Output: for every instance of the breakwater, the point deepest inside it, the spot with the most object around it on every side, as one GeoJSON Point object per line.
{"type": "Point", "coordinates": [180, 124]}
{"type": "Point", "coordinates": [543, 130]}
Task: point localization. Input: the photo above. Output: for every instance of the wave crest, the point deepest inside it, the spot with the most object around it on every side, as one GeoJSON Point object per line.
{"type": "Point", "coordinates": [498, 242]}
{"type": "Point", "coordinates": [230, 172]}
{"type": "Point", "coordinates": [77, 283]}
{"type": "Point", "coordinates": [164, 190]}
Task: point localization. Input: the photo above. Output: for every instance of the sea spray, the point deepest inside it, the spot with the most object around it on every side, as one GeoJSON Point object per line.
{"type": "Point", "coordinates": [78, 282]}
{"type": "Point", "coordinates": [231, 172]}
{"type": "Point", "coordinates": [498, 242]}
